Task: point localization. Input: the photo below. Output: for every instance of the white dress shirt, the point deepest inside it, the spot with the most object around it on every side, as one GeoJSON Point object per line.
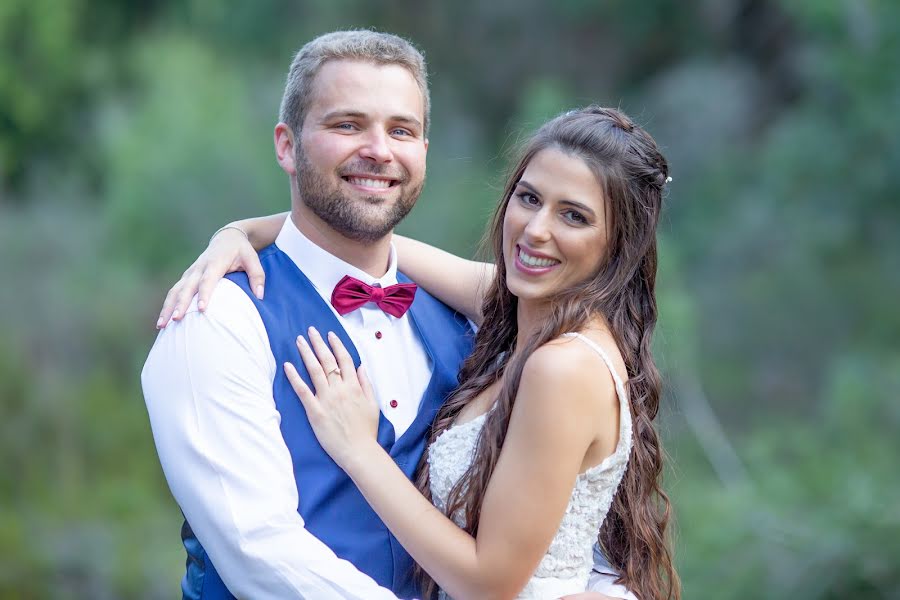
{"type": "Point", "coordinates": [208, 389]}
{"type": "Point", "coordinates": [379, 337]}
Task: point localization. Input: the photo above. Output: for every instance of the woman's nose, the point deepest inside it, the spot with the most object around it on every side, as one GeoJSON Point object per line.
{"type": "Point", "coordinates": [538, 227]}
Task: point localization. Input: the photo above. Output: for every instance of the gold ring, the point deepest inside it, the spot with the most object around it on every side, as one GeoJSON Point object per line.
{"type": "Point", "coordinates": [336, 370]}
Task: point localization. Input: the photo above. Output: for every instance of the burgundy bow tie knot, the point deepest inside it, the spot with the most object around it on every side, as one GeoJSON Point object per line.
{"type": "Point", "coordinates": [351, 293]}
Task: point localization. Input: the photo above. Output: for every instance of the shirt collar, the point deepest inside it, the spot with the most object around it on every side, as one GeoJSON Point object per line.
{"type": "Point", "coordinates": [322, 268]}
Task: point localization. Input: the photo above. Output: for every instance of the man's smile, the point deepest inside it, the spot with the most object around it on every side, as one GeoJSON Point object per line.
{"type": "Point", "coordinates": [371, 183]}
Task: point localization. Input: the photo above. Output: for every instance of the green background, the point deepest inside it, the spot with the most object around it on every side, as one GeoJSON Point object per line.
{"type": "Point", "coordinates": [129, 131]}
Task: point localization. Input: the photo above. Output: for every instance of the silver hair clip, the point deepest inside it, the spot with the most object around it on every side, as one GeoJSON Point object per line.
{"type": "Point", "coordinates": [668, 180]}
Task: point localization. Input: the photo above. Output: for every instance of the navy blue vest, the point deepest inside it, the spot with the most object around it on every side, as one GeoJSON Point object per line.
{"type": "Point", "coordinates": [332, 507]}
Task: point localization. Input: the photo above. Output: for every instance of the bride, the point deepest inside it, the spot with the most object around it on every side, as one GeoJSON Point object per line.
{"type": "Point", "coordinates": [548, 442]}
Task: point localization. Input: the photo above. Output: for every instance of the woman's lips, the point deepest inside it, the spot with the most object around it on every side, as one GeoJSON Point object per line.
{"type": "Point", "coordinates": [531, 264]}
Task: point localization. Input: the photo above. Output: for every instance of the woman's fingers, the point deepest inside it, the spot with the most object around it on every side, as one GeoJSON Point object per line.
{"type": "Point", "coordinates": [326, 358]}
{"type": "Point", "coordinates": [213, 272]}
{"type": "Point", "coordinates": [172, 308]}
{"type": "Point", "coordinates": [324, 362]}
{"type": "Point", "coordinates": [344, 360]}
{"type": "Point", "coordinates": [167, 308]}
{"type": "Point", "coordinates": [205, 288]}
{"type": "Point", "coordinates": [311, 361]}
{"type": "Point", "coordinates": [309, 400]}
{"type": "Point", "coordinates": [228, 251]}
{"type": "Point", "coordinates": [250, 263]}
{"type": "Point", "coordinates": [188, 287]}
{"type": "Point", "coordinates": [366, 385]}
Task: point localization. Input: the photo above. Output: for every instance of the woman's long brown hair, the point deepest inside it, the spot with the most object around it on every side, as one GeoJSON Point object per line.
{"type": "Point", "coordinates": [633, 174]}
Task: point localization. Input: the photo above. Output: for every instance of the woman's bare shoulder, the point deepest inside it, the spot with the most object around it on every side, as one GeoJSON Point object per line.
{"type": "Point", "coordinates": [568, 371]}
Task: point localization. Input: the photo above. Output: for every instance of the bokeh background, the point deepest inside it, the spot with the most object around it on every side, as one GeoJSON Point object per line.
{"type": "Point", "coordinates": [129, 131]}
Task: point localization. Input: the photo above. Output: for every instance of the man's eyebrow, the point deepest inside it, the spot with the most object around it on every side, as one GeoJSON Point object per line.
{"type": "Point", "coordinates": [407, 119]}
{"type": "Point", "coordinates": [343, 113]}
{"type": "Point", "coordinates": [574, 203]}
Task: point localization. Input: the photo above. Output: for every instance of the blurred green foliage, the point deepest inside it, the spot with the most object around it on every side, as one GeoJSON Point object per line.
{"type": "Point", "coordinates": [130, 131]}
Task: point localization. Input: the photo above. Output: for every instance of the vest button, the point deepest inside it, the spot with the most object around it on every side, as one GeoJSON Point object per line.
{"type": "Point", "coordinates": [377, 335]}
{"type": "Point", "coordinates": [393, 404]}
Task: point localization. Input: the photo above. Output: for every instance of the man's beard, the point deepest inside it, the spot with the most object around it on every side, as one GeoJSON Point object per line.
{"type": "Point", "coordinates": [364, 220]}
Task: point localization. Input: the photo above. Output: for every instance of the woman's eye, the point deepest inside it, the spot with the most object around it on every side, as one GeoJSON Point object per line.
{"type": "Point", "coordinates": [528, 199]}
{"type": "Point", "coordinates": [575, 217]}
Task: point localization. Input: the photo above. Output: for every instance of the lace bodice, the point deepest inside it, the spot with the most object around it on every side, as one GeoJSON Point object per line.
{"type": "Point", "coordinates": [566, 566]}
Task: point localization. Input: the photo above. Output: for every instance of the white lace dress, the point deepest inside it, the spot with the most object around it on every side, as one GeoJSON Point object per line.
{"type": "Point", "coordinates": [566, 567]}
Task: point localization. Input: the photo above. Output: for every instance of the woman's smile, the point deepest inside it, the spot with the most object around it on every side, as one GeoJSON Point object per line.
{"type": "Point", "coordinates": [554, 227]}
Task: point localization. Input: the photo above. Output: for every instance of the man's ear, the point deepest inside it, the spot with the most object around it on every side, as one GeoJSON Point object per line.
{"type": "Point", "coordinates": [284, 148]}
{"type": "Point", "coordinates": [426, 145]}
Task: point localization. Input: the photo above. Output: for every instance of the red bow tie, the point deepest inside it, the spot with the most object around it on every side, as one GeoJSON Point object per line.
{"type": "Point", "coordinates": [351, 293]}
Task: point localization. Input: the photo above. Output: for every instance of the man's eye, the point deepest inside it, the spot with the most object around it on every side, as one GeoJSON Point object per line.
{"type": "Point", "coordinates": [345, 126]}
{"type": "Point", "coordinates": [401, 132]}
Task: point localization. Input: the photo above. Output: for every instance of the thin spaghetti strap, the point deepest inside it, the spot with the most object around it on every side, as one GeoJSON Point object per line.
{"type": "Point", "coordinates": [623, 446]}
{"type": "Point", "coordinates": [620, 386]}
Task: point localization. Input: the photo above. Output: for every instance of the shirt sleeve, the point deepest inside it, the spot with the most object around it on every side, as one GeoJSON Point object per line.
{"type": "Point", "coordinates": [603, 578]}
{"type": "Point", "coordinates": [605, 583]}
{"type": "Point", "coordinates": [208, 388]}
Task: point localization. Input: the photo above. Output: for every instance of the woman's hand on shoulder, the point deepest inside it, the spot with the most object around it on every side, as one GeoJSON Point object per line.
{"type": "Point", "coordinates": [228, 251]}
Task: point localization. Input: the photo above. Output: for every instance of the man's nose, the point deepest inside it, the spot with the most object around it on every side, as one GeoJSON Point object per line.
{"type": "Point", "coordinates": [377, 146]}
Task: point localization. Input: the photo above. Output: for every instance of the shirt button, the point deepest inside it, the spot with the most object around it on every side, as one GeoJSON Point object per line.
{"type": "Point", "coordinates": [377, 335]}
{"type": "Point", "coordinates": [393, 404]}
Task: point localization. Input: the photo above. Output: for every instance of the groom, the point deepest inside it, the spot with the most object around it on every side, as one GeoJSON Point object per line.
{"type": "Point", "coordinates": [267, 513]}
{"type": "Point", "coordinates": [231, 434]}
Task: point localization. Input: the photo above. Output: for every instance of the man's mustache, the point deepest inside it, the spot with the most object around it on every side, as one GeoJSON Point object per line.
{"type": "Point", "coordinates": [367, 168]}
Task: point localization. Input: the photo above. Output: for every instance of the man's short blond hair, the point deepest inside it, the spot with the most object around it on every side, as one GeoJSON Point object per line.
{"type": "Point", "coordinates": [358, 44]}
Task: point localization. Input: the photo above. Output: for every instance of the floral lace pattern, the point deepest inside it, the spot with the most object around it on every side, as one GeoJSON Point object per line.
{"type": "Point", "coordinates": [566, 566]}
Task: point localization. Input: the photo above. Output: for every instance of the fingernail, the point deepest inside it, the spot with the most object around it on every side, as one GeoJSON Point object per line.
{"type": "Point", "coordinates": [175, 314]}
{"type": "Point", "coordinates": [201, 305]}
{"type": "Point", "coordinates": [301, 339]}
{"type": "Point", "coordinates": [331, 335]}
{"type": "Point", "coordinates": [159, 323]}
{"type": "Point", "coordinates": [259, 291]}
